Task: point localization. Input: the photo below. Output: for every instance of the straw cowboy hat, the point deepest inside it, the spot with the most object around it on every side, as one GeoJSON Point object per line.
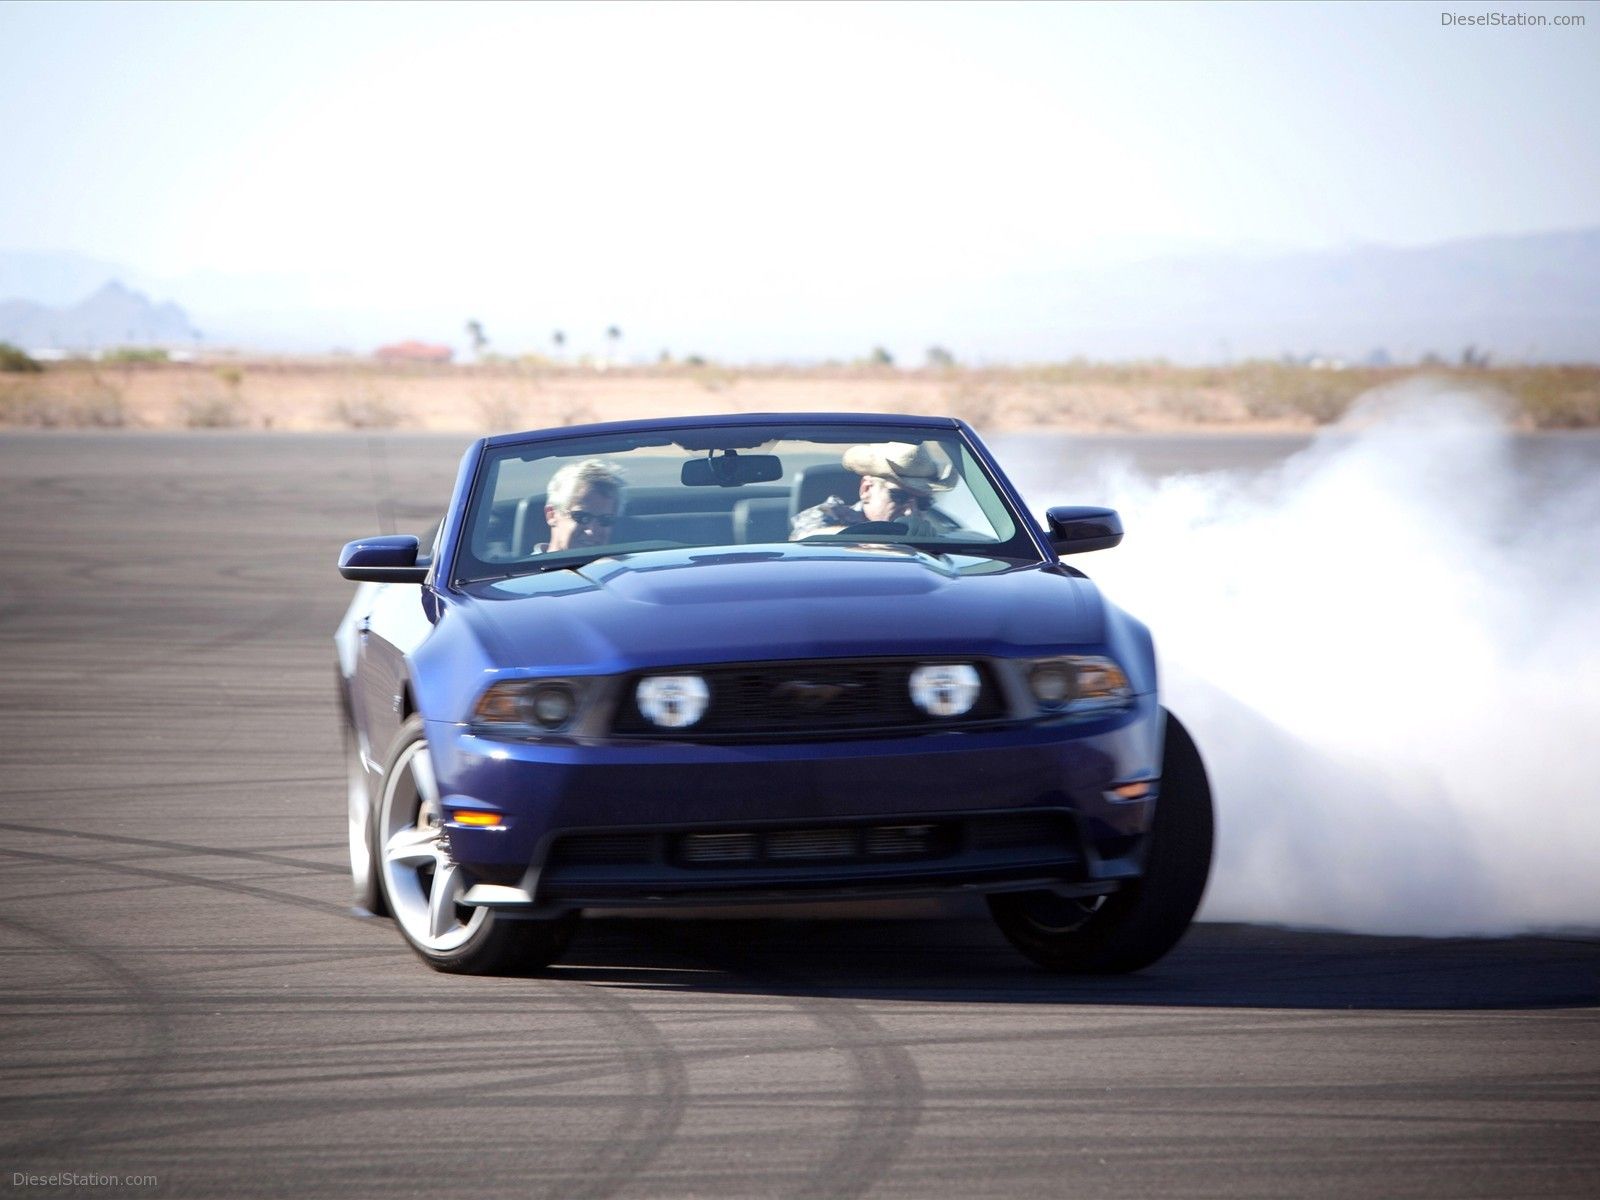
{"type": "Point", "coordinates": [906, 465]}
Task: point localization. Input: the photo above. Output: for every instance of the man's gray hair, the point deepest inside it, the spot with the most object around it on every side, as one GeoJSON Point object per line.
{"type": "Point", "coordinates": [580, 477]}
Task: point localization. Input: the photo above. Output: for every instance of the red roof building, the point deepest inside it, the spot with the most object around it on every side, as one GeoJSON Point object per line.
{"type": "Point", "coordinates": [412, 351]}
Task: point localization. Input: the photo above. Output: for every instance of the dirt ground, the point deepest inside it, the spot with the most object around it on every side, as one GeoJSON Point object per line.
{"type": "Point", "coordinates": [289, 394]}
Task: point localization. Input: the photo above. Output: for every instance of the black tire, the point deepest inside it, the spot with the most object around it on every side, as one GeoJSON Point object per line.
{"type": "Point", "coordinates": [479, 942]}
{"type": "Point", "coordinates": [1134, 926]}
{"type": "Point", "coordinates": [364, 890]}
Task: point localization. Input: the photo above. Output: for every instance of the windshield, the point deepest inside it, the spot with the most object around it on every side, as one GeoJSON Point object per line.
{"type": "Point", "coordinates": [557, 504]}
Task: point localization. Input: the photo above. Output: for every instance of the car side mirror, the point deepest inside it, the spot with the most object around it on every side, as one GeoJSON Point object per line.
{"type": "Point", "coordinates": [1076, 528]}
{"type": "Point", "coordinates": [388, 559]}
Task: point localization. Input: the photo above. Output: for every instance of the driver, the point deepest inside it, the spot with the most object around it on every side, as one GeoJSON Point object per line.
{"type": "Point", "coordinates": [898, 483]}
{"type": "Point", "coordinates": [582, 504]}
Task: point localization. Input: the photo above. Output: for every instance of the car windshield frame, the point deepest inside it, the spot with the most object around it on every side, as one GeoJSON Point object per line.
{"type": "Point", "coordinates": [995, 496]}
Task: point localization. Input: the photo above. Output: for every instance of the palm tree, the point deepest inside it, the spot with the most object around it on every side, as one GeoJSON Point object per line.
{"type": "Point", "coordinates": [560, 339]}
{"type": "Point", "coordinates": [613, 336]}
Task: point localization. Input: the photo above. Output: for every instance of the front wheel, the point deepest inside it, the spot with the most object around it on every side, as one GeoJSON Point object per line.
{"type": "Point", "coordinates": [358, 813]}
{"type": "Point", "coordinates": [1131, 928]}
{"type": "Point", "coordinates": [422, 886]}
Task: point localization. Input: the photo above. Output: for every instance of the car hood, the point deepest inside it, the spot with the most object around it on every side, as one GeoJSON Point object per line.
{"type": "Point", "coordinates": [784, 601]}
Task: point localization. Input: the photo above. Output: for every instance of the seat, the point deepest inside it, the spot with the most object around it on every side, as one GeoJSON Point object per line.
{"type": "Point", "coordinates": [814, 484]}
{"type": "Point", "coordinates": [757, 521]}
{"type": "Point", "coordinates": [690, 528]}
{"type": "Point", "coordinates": [528, 527]}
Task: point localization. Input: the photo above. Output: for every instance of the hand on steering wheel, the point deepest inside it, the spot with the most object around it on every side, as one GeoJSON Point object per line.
{"type": "Point", "coordinates": [877, 527]}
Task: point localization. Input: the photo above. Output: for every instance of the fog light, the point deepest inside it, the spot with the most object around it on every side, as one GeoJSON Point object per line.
{"type": "Point", "coordinates": [672, 701]}
{"type": "Point", "coordinates": [945, 689]}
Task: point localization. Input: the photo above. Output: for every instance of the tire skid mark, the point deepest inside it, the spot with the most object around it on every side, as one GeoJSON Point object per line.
{"type": "Point", "coordinates": [176, 877]}
{"type": "Point", "coordinates": [238, 633]}
{"type": "Point", "coordinates": [651, 1115]}
{"type": "Point", "coordinates": [650, 1118]}
{"type": "Point", "coordinates": [76, 894]}
{"type": "Point", "coordinates": [653, 1110]}
{"type": "Point", "coordinates": [166, 788]}
{"type": "Point", "coordinates": [889, 1095]}
{"type": "Point", "coordinates": [186, 849]}
{"type": "Point", "coordinates": [132, 1074]}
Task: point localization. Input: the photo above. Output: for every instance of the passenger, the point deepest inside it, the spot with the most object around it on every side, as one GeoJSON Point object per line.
{"type": "Point", "coordinates": [582, 504]}
{"type": "Point", "coordinates": [898, 483]}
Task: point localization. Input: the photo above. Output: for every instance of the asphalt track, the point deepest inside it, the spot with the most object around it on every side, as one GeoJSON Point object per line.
{"type": "Point", "coordinates": [187, 995]}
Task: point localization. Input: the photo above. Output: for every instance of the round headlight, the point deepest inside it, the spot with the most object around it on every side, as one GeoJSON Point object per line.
{"type": "Point", "coordinates": [672, 701]}
{"type": "Point", "coordinates": [550, 705]}
{"type": "Point", "coordinates": [1051, 683]}
{"type": "Point", "coordinates": [945, 689]}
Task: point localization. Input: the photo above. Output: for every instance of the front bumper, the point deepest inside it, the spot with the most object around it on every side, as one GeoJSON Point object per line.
{"type": "Point", "coordinates": [659, 804]}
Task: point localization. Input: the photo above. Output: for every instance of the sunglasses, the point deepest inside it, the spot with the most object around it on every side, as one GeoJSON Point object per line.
{"type": "Point", "coordinates": [900, 497]}
{"type": "Point", "coordinates": [582, 516]}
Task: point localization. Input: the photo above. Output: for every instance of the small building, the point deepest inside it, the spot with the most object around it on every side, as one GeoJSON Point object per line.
{"type": "Point", "coordinates": [414, 352]}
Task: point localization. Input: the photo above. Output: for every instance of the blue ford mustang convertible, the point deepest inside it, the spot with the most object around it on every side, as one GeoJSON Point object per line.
{"type": "Point", "coordinates": [757, 659]}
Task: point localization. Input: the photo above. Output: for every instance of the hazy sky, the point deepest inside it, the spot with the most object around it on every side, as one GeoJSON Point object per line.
{"type": "Point", "coordinates": [492, 156]}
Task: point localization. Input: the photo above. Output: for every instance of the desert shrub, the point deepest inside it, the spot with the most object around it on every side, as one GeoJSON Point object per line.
{"type": "Point", "coordinates": [1188, 403]}
{"type": "Point", "coordinates": [364, 408]}
{"type": "Point", "coordinates": [13, 358]}
{"type": "Point", "coordinates": [211, 410]}
{"type": "Point", "coordinates": [712, 377]}
{"type": "Point", "coordinates": [500, 410]}
{"type": "Point", "coordinates": [135, 354]}
{"type": "Point", "coordinates": [1564, 397]}
{"type": "Point", "coordinates": [578, 415]}
{"type": "Point", "coordinates": [969, 401]}
{"type": "Point", "coordinates": [87, 402]}
{"type": "Point", "coordinates": [99, 406]}
{"type": "Point", "coordinates": [1273, 390]}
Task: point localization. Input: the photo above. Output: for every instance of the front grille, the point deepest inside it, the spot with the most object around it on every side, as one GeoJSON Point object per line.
{"type": "Point", "coordinates": [604, 849]}
{"type": "Point", "coordinates": [842, 697]}
{"type": "Point", "coordinates": [720, 847]}
{"type": "Point", "coordinates": [835, 844]}
{"type": "Point", "coordinates": [1025, 834]}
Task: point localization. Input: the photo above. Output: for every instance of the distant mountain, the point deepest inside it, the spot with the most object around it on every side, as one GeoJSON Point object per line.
{"type": "Point", "coordinates": [1533, 298]}
{"type": "Point", "coordinates": [113, 315]}
{"type": "Point", "coordinates": [58, 278]}
{"type": "Point", "coordinates": [1529, 298]}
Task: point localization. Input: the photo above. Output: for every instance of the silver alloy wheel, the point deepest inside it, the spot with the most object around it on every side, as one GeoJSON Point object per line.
{"type": "Point", "coordinates": [422, 883]}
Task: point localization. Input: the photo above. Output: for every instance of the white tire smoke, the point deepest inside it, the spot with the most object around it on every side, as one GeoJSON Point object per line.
{"type": "Point", "coordinates": [1388, 649]}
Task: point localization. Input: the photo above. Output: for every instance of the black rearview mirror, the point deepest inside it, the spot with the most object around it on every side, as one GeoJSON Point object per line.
{"type": "Point", "coordinates": [731, 470]}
